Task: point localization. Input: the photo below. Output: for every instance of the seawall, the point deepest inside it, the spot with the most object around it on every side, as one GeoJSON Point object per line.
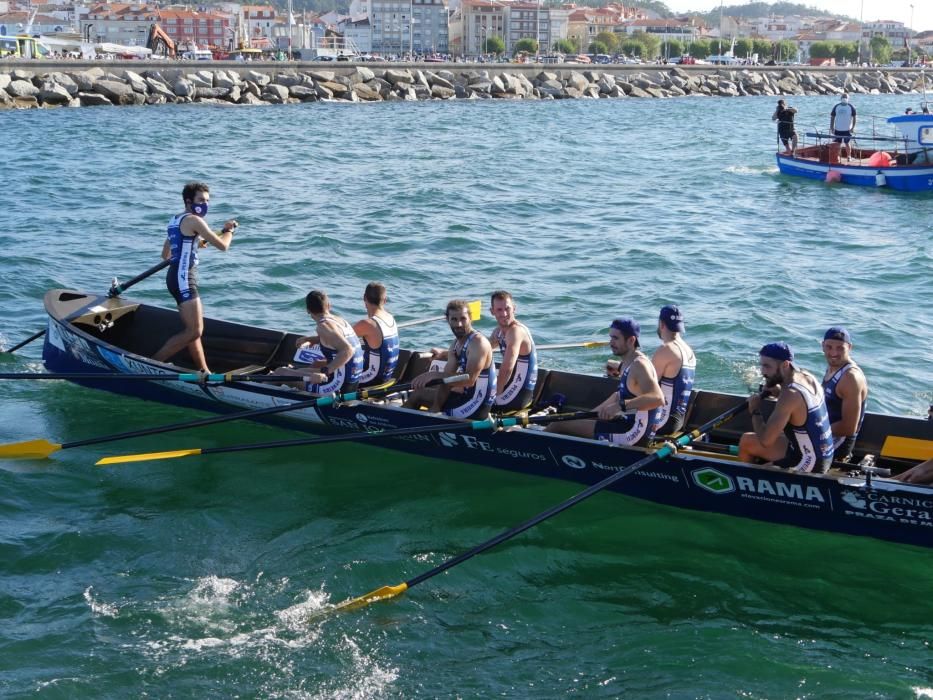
{"type": "Point", "coordinates": [30, 84]}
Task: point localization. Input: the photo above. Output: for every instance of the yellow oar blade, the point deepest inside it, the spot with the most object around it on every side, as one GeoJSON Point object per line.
{"type": "Point", "coordinates": [907, 448]}
{"type": "Point", "coordinates": [596, 343]}
{"type": "Point", "coordinates": [475, 311]}
{"type": "Point", "coordinates": [30, 449]}
{"type": "Point", "coordinates": [378, 594]}
{"type": "Point", "coordinates": [121, 459]}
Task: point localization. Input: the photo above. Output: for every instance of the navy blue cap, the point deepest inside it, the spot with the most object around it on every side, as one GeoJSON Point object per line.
{"type": "Point", "coordinates": [779, 351]}
{"type": "Point", "coordinates": [627, 327]}
{"type": "Point", "coordinates": [838, 333]}
{"type": "Point", "coordinates": [672, 318]}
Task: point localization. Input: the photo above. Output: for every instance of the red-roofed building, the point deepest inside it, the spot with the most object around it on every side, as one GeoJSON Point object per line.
{"type": "Point", "coordinates": [120, 23]}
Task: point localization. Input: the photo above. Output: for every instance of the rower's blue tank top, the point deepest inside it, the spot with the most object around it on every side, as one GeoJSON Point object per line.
{"type": "Point", "coordinates": [488, 374]}
{"type": "Point", "coordinates": [654, 415]}
{"type": "Point", "coordinates": [530, 358]}
{"type": "Point", "coordinates": [379, 363]}
{"type": "Point", "coordinates": [815, 436]}
{"type": "Point", "coordinates": [183, 250]}
{"type": "Point", "coordinates": [834, 403]}
{"type": "Point", "coordinates": [354, 366]}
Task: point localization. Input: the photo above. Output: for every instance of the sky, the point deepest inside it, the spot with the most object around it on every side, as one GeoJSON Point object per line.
{"type": "Point", "coordinates": [897, 10]}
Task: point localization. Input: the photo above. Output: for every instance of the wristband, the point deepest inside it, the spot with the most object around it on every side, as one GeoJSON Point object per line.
{"type": "Point", "coordinates": [622, 405]}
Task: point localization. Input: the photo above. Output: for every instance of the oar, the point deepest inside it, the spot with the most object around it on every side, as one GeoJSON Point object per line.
{"type": "Point", "coordinates": [41, 448]}
{"type": "Point", "coordinates": [115, 290]}
{"type": "Point", "coordinates": [474, 316]}
{"type": "Point", "coordinates": [665, 451]}
{"type": "Point", "coordinates": [198, 377]}
{"type": "Point", "coordinates": [447, 426]}
{"type": "Point", "coordinates": [564, 346]}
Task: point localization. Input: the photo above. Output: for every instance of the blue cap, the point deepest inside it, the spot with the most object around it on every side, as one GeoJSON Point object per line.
{"type": "Point", "coordinates": [672, 318]}
{"type": "Point", "coordinates": [779, 351]}
{"type": "Point", "coordinates": [628, 328]}
{"type": "Point", "coordinates": [838, 333]}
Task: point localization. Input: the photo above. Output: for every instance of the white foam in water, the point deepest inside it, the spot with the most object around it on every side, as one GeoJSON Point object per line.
{"type": "Point", "coordinates": [297, 616]}
{"type": "Point", "coordinates": [98, 608]}
{"type": "Point", "coordinates": [923, 693]}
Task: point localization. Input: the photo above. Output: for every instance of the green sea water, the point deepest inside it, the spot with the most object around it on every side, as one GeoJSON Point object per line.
{"type": "Point", "coordinates": [198, 577]}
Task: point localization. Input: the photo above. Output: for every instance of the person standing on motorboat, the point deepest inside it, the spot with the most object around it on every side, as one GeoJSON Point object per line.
{"type": "Point", "coordinates": [186, 233]}
{"type": "Point", "coordinates": [842, 123]}
{"type": "Point", "coordinates": [797, 434]}
{"type": "Point", "coordinates": [784, 116]}
{"type": "Point", "coordinates": [845, 391]}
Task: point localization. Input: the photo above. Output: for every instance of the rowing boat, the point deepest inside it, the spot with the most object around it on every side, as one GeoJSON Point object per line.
{"type": "Point", "coordinates": [89, 333]}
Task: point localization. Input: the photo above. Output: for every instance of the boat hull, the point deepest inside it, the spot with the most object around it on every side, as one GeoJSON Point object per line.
{"type": "Point", "coordinates": [901, 178]}
{"type": "Point", "coordinates": [698, 481]}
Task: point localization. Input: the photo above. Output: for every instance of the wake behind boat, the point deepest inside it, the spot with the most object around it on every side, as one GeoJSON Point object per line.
{"type": "Point", "coordinates": [900, 160]}
{"type": "Point", "coordinates": [88, 333]}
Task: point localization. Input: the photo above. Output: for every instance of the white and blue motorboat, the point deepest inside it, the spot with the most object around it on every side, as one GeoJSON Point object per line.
{"type": "Point", "coordinates": [900, 160]}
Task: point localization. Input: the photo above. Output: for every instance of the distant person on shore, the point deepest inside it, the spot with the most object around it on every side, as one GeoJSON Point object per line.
{"type": "Point", "coordinates": [842, 123]}
{"type": "Point", "coordinates": [784, 116]}
{"type": "Point", "coordinates": [186, 233]}
{"type": "Point", "coordinates": [845, 390]}
{"type": "Point", "coordinates": [675, 364]}
{"type": "Point", "coordinates": [518, 369]}
{"type": "Point", "coordinates": [333, 357]}
{"type": "Point", "coordinates": [627, 416]}
{"type": "Point", "coordinates": [379, 334]}
{"type": "Point", "coordinates": [796, 435]}
{"type": "Point", "coordinates": [471, 354]}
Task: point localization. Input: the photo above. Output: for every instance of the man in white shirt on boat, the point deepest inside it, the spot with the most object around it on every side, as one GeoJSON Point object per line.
{"type": "Point", "coordinates": [842, 123]}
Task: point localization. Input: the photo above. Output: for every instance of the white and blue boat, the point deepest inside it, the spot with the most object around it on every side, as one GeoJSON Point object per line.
{"type": "Point", "coordinates": [901, 160]}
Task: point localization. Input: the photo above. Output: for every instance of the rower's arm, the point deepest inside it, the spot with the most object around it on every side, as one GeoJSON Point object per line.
{"type": "Point", "coordinates": [166, 250]}
{"type": "Point", "coordinates": [513, 344]}
{"type": "Point", "coordinates": [646, 384]}
{"type": "Point", "coordinates": [769, 432]}
{"type": "Point", "coordinates": [368, 330]}
{"type": "Point", "coordinates": [333, 339]}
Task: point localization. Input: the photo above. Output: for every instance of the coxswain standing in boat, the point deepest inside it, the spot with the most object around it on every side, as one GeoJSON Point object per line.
{"type": "Point", "coordinates": [845, 390]}
{"type": "Point", "coordinates": [518, 369]}
{"type": "Point", "coordinates": [842, 123]}
{"type": "Point", "coordinates": [186, 232]}
{"type": "Point", "coordinates": [784, 116]}
{"type": "Point", "coordinates": [796, 435]}
{"type": "Point", "coordinates": [470, 353]}
{"type": "Point", "coordinates": [342, 365]}
{"type": "Point", "coordinates": [638, 399]}
{"type": "Point", "coordinates": [379, 335]}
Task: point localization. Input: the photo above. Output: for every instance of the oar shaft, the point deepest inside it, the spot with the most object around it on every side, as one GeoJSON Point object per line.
{"type": "Point", "coordinates": [662, 453]}
{"type": "Point", "coordinates": [419, 321]}
{"type": "Point", "coordinates": [117, 289]}
{"type": "Point", "coordinates": [28, 340]}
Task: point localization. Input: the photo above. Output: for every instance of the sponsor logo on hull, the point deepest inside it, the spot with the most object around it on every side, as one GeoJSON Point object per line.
{"type": "Point", "coordinates": [875, 505]}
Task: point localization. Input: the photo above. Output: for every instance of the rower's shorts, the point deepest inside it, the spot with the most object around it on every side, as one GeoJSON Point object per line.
{"type": "Point", "coordinates": [182, 287]}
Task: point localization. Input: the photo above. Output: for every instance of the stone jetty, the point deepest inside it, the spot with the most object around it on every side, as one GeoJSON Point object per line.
{"type": "Point", "coordinates": [69, 84]}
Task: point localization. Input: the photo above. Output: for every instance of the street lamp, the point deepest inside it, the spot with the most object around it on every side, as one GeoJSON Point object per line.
{"type": "Point", "coordinates": [484, 35]}
{"type": "Point", "coordinates": [909, 33]}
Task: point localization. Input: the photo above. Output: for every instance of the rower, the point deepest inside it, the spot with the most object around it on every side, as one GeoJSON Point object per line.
{"type": "Point", "coordinates": [675, 363]}
{"type": "Point", "coordinates": [518, 370]}
{"type": "Point", "coordinates": [471, 354]}
{"type": "Point", "coordinates": [379, 335]}
{"type": "Point", "coordinates": [796, 435]}
{"type": "Point", "coordinates": [334, 356]}
{"type": "Point", "coordinates": [845, 391]}
{"type": "Point", "coordinates": [638, 398]}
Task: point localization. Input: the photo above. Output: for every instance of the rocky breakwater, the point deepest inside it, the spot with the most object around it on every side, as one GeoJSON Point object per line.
{"type": "Point", "coordinates": [27, 85]}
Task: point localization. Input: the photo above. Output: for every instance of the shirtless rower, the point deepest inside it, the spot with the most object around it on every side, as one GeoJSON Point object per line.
{"type": "Point", "coordinates": [638, 398]}
{"type": "Point", "coordinates": [470, 353]}
{"type": "Point", "coordinates": [675, 363]}
{"type": "Point", "coordinates": [796, 435]}
{"type": "Point", "coordinates": [845, 391]}
{"type": "Point", "coordinates": [518, 369]}
{"type": "Point", "coordinates": [340, 367]}
{"type": "Point", "coordinates": [379, 334]}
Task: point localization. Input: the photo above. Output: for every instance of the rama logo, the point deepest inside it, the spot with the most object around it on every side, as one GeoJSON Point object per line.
{"type": "Point", "coordinates": [713, 480]}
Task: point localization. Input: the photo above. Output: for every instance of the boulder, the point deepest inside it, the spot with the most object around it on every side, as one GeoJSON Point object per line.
{"type": "Point", "coordinates": [336, 89]}
{"type": "Point", "coordinates": [577, 81]}
{"type": "Point", "coordinates": [93, 99]}
{"type": "Point", "coordinates": [261, 79]}
{"type": "Point", "coordinates": [5, 80]}
{"type": "Point", "coordinates": [54, 94]}
{"type": "Point", "coordinates": [135, 81]}
{"type": "Point", "coordinates": [322, 76]}
{"type": "Point", "coordinates": [21, 88]}
{"type": "Point", "coordinates": [275, 93]}
{"type": "Point", "coordinates": [302, 92]}
{"type": "Point", "coordinates": [368, 92]}
{"type": "Point", "coordinates": [362, 74]}
{"type": "Point", "coordinates": [184, 88]}
{"type": "Point", "coordinates": [25, 102]}
{"type": "Point", "coordinates": [248, 98]}
{"type": "Point", "coordinates": [212, 93]}
{"type": "Point", "coordinates": [396, 76]}
{"type": "Point", "coordinates": [157, 87]}
{"type": "Point", "coordinates": [442, 93]}
{"type": "Point", "coordinates": [23, 74]}
{"type": "Point", "coordinates": [228, 80]}
{"type": "Point", "coordinates": [65, 81]}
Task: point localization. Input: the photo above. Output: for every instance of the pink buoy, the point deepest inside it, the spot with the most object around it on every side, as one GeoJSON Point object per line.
{"type": "Point", "coordinates": [833, 176]}
{"type": "Point", "coordinates": [879, 159]}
